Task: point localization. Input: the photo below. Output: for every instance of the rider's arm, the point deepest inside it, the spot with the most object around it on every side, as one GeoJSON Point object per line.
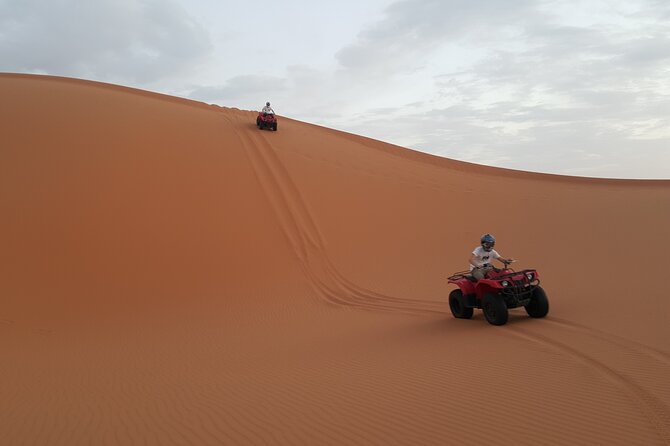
{"type": "Point", "coordinates": [474, 261]}
{"type": "Point", "coordinates": [503, 260]}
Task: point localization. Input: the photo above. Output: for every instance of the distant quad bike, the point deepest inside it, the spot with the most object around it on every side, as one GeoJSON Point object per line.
{"type": "Point", "coordinates": [501, 290]}
{"type": "Point", "coordinates": [267, 121]}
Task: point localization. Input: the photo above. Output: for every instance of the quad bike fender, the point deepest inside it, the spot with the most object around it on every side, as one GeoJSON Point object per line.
{"type": "Point", "coordinates": [466, 286]}
{"type": "Point", "coordinates": [267, 118]}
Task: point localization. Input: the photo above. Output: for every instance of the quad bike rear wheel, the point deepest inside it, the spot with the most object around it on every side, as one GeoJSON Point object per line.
{"type": "Point", "coordinates": [495, 309]}
{"type": "Point", "coordinates": [459, 310]}
{"type": "Point", "coordinates": [539, 304]}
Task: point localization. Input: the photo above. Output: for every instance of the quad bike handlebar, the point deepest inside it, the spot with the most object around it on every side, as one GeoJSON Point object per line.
{"type": "Point", "coordinates": [461, 274]}
{"type": "Point", "coordinates": [506, 267]}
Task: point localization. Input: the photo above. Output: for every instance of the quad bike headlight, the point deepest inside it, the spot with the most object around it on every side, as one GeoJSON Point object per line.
{"type": "Point", "coordinates": [505, 283]}
{"type": "Point", "coordinates": [530, 276]}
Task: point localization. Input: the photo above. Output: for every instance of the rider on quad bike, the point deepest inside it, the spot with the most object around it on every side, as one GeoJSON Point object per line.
{"type": "Point", "coordinates": [266, 118]}
{"type": "Point", "coordinates": [480, 261]}
{"type": "Point", "coordinates": [493, 290]}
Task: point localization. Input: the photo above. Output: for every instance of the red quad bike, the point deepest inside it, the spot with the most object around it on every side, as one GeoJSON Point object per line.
{"type": "Point", "coordinates": [266, 121]}
{"type": "Point", "coordinates": [500, 291]}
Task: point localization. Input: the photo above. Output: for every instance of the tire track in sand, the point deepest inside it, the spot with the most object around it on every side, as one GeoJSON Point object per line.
{"type": "Point", "coordinates": [620, 341]}
{"type": "Point", "coordinates": [655, 411]}
{"type": "Point", "coordinates": [306, 239]}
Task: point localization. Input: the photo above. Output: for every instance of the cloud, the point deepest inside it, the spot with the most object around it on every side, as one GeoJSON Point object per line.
{"type": "Point", "coordinates": [530, 82]}
{"type": "Point", "coordinates": [131, 41]}
{"type": "Point", "coordinates": [412, 31]}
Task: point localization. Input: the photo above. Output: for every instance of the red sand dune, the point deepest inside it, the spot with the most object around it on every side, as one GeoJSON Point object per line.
{"type": "Point", "coordinates": [171, 275]}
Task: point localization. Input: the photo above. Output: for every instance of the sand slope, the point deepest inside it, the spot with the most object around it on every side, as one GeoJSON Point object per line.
{"type": "Point", "coordinates": [171, 275]}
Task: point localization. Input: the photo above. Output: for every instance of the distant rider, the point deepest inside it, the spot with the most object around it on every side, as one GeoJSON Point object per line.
{"type": "Point", "coordinates": [267, 110]}
{"type": "Point", "coordinates": [480, 261]}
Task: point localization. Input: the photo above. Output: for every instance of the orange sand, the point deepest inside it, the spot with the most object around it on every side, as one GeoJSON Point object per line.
{"type": "Point", "coordinates": [170, 275]}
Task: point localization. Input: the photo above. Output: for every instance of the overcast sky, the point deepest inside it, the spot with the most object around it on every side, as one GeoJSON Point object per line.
{"type": "Point", "coordinates": [575, 87]}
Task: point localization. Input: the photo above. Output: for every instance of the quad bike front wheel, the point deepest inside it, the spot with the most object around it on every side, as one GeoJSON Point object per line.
{"type": "Point", "coordinates": [539, 304]}
{"type": "Point", "coordinates": [456, 302]}
{"type": "Point", "coordinates": [495, 309]}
